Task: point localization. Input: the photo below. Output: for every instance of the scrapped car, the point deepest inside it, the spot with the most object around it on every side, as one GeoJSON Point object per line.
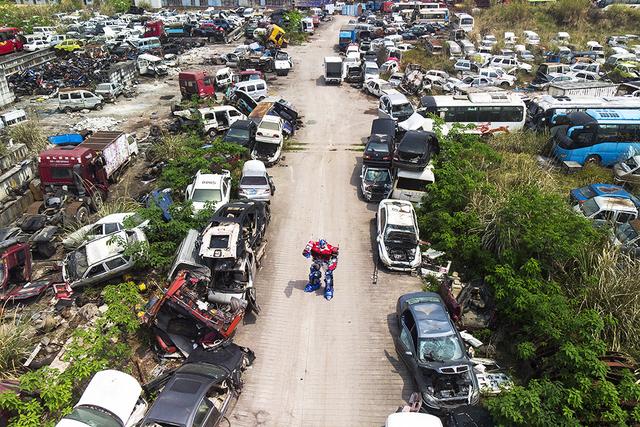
{"type": "Point", "coordinates": [242, 132]}
{"type": "Point", "coordinates": [628, 170]}
{"type": "Point", "coordinates": [36, 45]}
{"type": "Point", "coordinates": [201, 391]}
{"type": "Point", "coordinates": [434, 352]}
{"type": "Point", "coordinates": [209, 188]}
{"type": "Point", "coordinates": [607, 210]}
{"type": "Point", "coordinates": [375, 183]}
{"type": "Point", "coordinates": [394, 105]}
{"type": "Point", "coordinates": [255, 182]}
{"type": "Point", "coordinates": [101, 259]}
{"type": "Point", "coordinates": [627, 237]}
{"type": "Point", "coordinates": [269, 140]}
{"type": "Point", "coordinates": [69, 45]}
{"type": "Point", "coordinates": [396, 79]}
{"type": "Point", "coordinates": [376, 87]}
{"type": "Point", "coordinates": [15, 271]}
{"type": "Point", "coordinates": [106, 225]}
{"type": "Point", "coordinates": [415, 149]}
{"type": "Point", "coordinates": [468, 82]}
{"type": "Point", "coordinates": [498, 76]}
{"type": "Point", "coordinates": [112, 398]}
{"type": "Point", "coordinates": [582, 194]}
{"type": "Point", "coordinates": [398, 235]}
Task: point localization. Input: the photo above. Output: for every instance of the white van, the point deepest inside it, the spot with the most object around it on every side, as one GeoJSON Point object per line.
{"type": "Point", "coordinates": [467, 47]}
{"type": "Point", "coordinates": [255, 183]}
{"type": "Point", "coordinates": [412, 185]}
{"type": "Point", "coordinates": [56, 39]}
{"type": "Point", "coordinates": [257, 88]}
{"type": "Point", "coordinates": [30, 38]}
{"type": "Point", "coordinates": [146, 43]}
{"type": "Point", "coordinates": [78, 99]}
{"type": "Point", "coordinates": [44, 30]}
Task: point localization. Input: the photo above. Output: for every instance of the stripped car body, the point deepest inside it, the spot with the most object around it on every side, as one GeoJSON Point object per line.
{"type": "Point", "coordinates": [211, 280]}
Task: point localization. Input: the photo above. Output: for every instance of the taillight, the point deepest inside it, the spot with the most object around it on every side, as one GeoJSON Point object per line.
{"type": "Point", "coordinates": [386, 157]}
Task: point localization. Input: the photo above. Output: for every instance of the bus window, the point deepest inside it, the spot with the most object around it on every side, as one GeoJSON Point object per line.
{"type": "Point", "coordinates": [607, 133]}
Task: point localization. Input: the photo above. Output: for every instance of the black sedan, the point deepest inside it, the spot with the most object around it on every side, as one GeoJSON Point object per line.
{"type": "Point", "coordinates": [415, 149]}
{"type": "Point", "coordinates": [378, 151]}
{"type": "Point", "coordinates": [431, 347]}
{"type": "Point", "coordinates": [201, 391]}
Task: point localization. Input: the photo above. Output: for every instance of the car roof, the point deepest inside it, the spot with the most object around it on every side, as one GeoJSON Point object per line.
{"type": "Point", "coordinates": [207, 179]}
{"type": "Point", "coordinates": [270, 118]}
{"type": "Point", "coordinates": [114, 391]}
{"type": "Point", "coordinates": [432, 319]}
{"type": "Point", "coordinates": [242, 124]}
{"type": "Point", "coordinates": [104, 247]}
{"type": "Point", "coordinates": [115, 217]}
{"type": "Point", "coordinates": [615, 203]}
{"type": "Point", "coordinates": [399, 212]}
{"type": "Point", "coordinates": [179, 399]}
{"type": "Point", "coordinates": [396, 97]}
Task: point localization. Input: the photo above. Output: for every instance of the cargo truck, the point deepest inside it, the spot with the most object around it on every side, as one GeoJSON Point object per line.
{"type": "Point", "coordinates": [333, 70]}
{"type": "Point", "coordinates": [76, 179]}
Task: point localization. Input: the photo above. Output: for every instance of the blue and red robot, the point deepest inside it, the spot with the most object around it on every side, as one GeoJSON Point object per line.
{"type": "Point", "coordinates": [324, 257]}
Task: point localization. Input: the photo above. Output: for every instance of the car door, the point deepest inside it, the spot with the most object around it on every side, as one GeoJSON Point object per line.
{"type": "Point", "coordinates": [406, 340]}
{"type": "Point", "coordinates": [384, 110]}
{"type": "Point", "coordinates": [94, 274]}
{"type": "Point", "coordinates": [226, 190]}
{"type": "Point", "coordinates": [382, 222]}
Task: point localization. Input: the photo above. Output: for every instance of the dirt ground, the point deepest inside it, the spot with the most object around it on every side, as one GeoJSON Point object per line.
{"type": "Point", "coordinates": [323, 363]}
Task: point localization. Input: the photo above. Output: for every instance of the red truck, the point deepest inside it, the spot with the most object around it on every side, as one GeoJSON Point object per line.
{"type": "Point", "coordinates": [75, 179]}
{"type": "Point", "coordinates": [197, 83]}
{"type": "Point", "coordinates": [154, 29]}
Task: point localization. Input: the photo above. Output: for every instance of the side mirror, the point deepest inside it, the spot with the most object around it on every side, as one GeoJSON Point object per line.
{"type": "Point", "coordinates": [408, 353]}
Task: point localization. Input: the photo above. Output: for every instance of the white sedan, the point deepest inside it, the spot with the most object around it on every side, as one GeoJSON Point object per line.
{"type": "Point", "coordinates": [36, 45]}
{"type": "Point", "coordinates": [376, 87]}
{"type": "Point", "coordinates": [106, 225]}
{"type": "Point", "coordinates": [112, 398]}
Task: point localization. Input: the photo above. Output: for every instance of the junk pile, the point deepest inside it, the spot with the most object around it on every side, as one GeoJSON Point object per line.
{"type": "Point", "coordinates": [46, 79]}
{"type": "Point", "coordinates": [96, 124]}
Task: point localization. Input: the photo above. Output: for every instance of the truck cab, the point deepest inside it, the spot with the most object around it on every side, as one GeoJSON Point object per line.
{"type": "Point", "coordinates": [196, 83]}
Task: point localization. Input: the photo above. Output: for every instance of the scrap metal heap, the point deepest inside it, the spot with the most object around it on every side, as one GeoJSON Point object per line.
{"type": "Point", "coordinates": [212, 280]}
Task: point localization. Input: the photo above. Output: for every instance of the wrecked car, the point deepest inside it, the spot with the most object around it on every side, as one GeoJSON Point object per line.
{"type": "Point", "coordinates": [101, 259]}
{"type": "Point", "coordinates": [15, 273]}
{"type": "Point", "coordinates": [211, 280]}
{"type": "Point", "coordinates": [398, 235]}
{"type": "Point", "coordinates": [433, 350]}
{"type": "Point", "coordinates": [112, 398]}
{"type": "Point", "coordinates": [269, 140]}
{"type": "Point", "coordinates": [202, 390]}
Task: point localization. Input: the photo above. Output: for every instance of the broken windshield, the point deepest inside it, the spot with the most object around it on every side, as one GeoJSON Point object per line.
{"type": "Point", "coordinates": [206, 195]}
{"type": "Point", "coordinates": [440, 349]}
{"type": "Point", "coordinates": [77, 263]}
{"type": "Point", "coordinates": [401, 235]}
{"type": "Point", "coordinates": [626, 233]}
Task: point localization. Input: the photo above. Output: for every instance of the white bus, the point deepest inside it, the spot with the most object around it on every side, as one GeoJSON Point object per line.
{"type": "Point", "coordinates": [463, 21]}
{"type": "Point", "coordinates": [434, 16]}
{"type": "Point", "coordinates": [546, 111]}
{"type": "Point", "coordinates": [489, 112]}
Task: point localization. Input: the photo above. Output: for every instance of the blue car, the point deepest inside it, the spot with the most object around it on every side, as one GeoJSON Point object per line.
{"type": "Point", "coordinates": [582, 194]}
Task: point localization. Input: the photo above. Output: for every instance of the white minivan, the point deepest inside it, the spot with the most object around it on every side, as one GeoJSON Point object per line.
{"type": "Point", "coordinates": [78, 99]}
{"type": "Point", "coordinates": [256, 89]}
{"type": "Point", "coordinates": [412, 185]}
{"type": "Point", "coordinates": [255, 183]}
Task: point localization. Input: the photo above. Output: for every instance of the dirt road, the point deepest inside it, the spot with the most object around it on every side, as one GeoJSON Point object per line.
{"type": "Point", "coordinates": [322, 363]}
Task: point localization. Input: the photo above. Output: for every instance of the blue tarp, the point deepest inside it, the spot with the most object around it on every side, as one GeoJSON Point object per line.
{"type": "Point", "coordinates": [66, 139]}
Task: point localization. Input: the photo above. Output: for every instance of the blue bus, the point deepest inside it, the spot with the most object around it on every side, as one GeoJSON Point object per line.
{"type": "Point", "coordinates": [603, 136]}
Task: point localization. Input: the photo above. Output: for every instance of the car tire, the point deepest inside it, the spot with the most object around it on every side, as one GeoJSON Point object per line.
{"type": "Point", "coordinates": [82, 215]}
{"type": "Point", "coordinates": [593, 159]}
{"type": "Point", "coordinates": [67, 110]}
{"type": "Point", "coordinates": [504, 85]}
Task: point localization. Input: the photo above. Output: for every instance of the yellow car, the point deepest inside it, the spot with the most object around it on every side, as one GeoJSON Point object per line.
{"type": "Point", "coordinates": [69, 45]}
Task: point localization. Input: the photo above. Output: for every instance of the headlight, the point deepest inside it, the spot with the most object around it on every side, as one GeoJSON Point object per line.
{"type": "Point", "coordinates": [430, 400]}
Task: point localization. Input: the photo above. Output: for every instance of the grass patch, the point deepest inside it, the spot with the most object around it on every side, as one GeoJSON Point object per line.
{"type": "Point", "coordinates": [16, 342]}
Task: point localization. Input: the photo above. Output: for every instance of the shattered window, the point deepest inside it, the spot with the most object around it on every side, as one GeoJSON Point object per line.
{"type": "Point", "coordinates": [440, 348]}
{"type": "Point", "coordinates": [219, 242]}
